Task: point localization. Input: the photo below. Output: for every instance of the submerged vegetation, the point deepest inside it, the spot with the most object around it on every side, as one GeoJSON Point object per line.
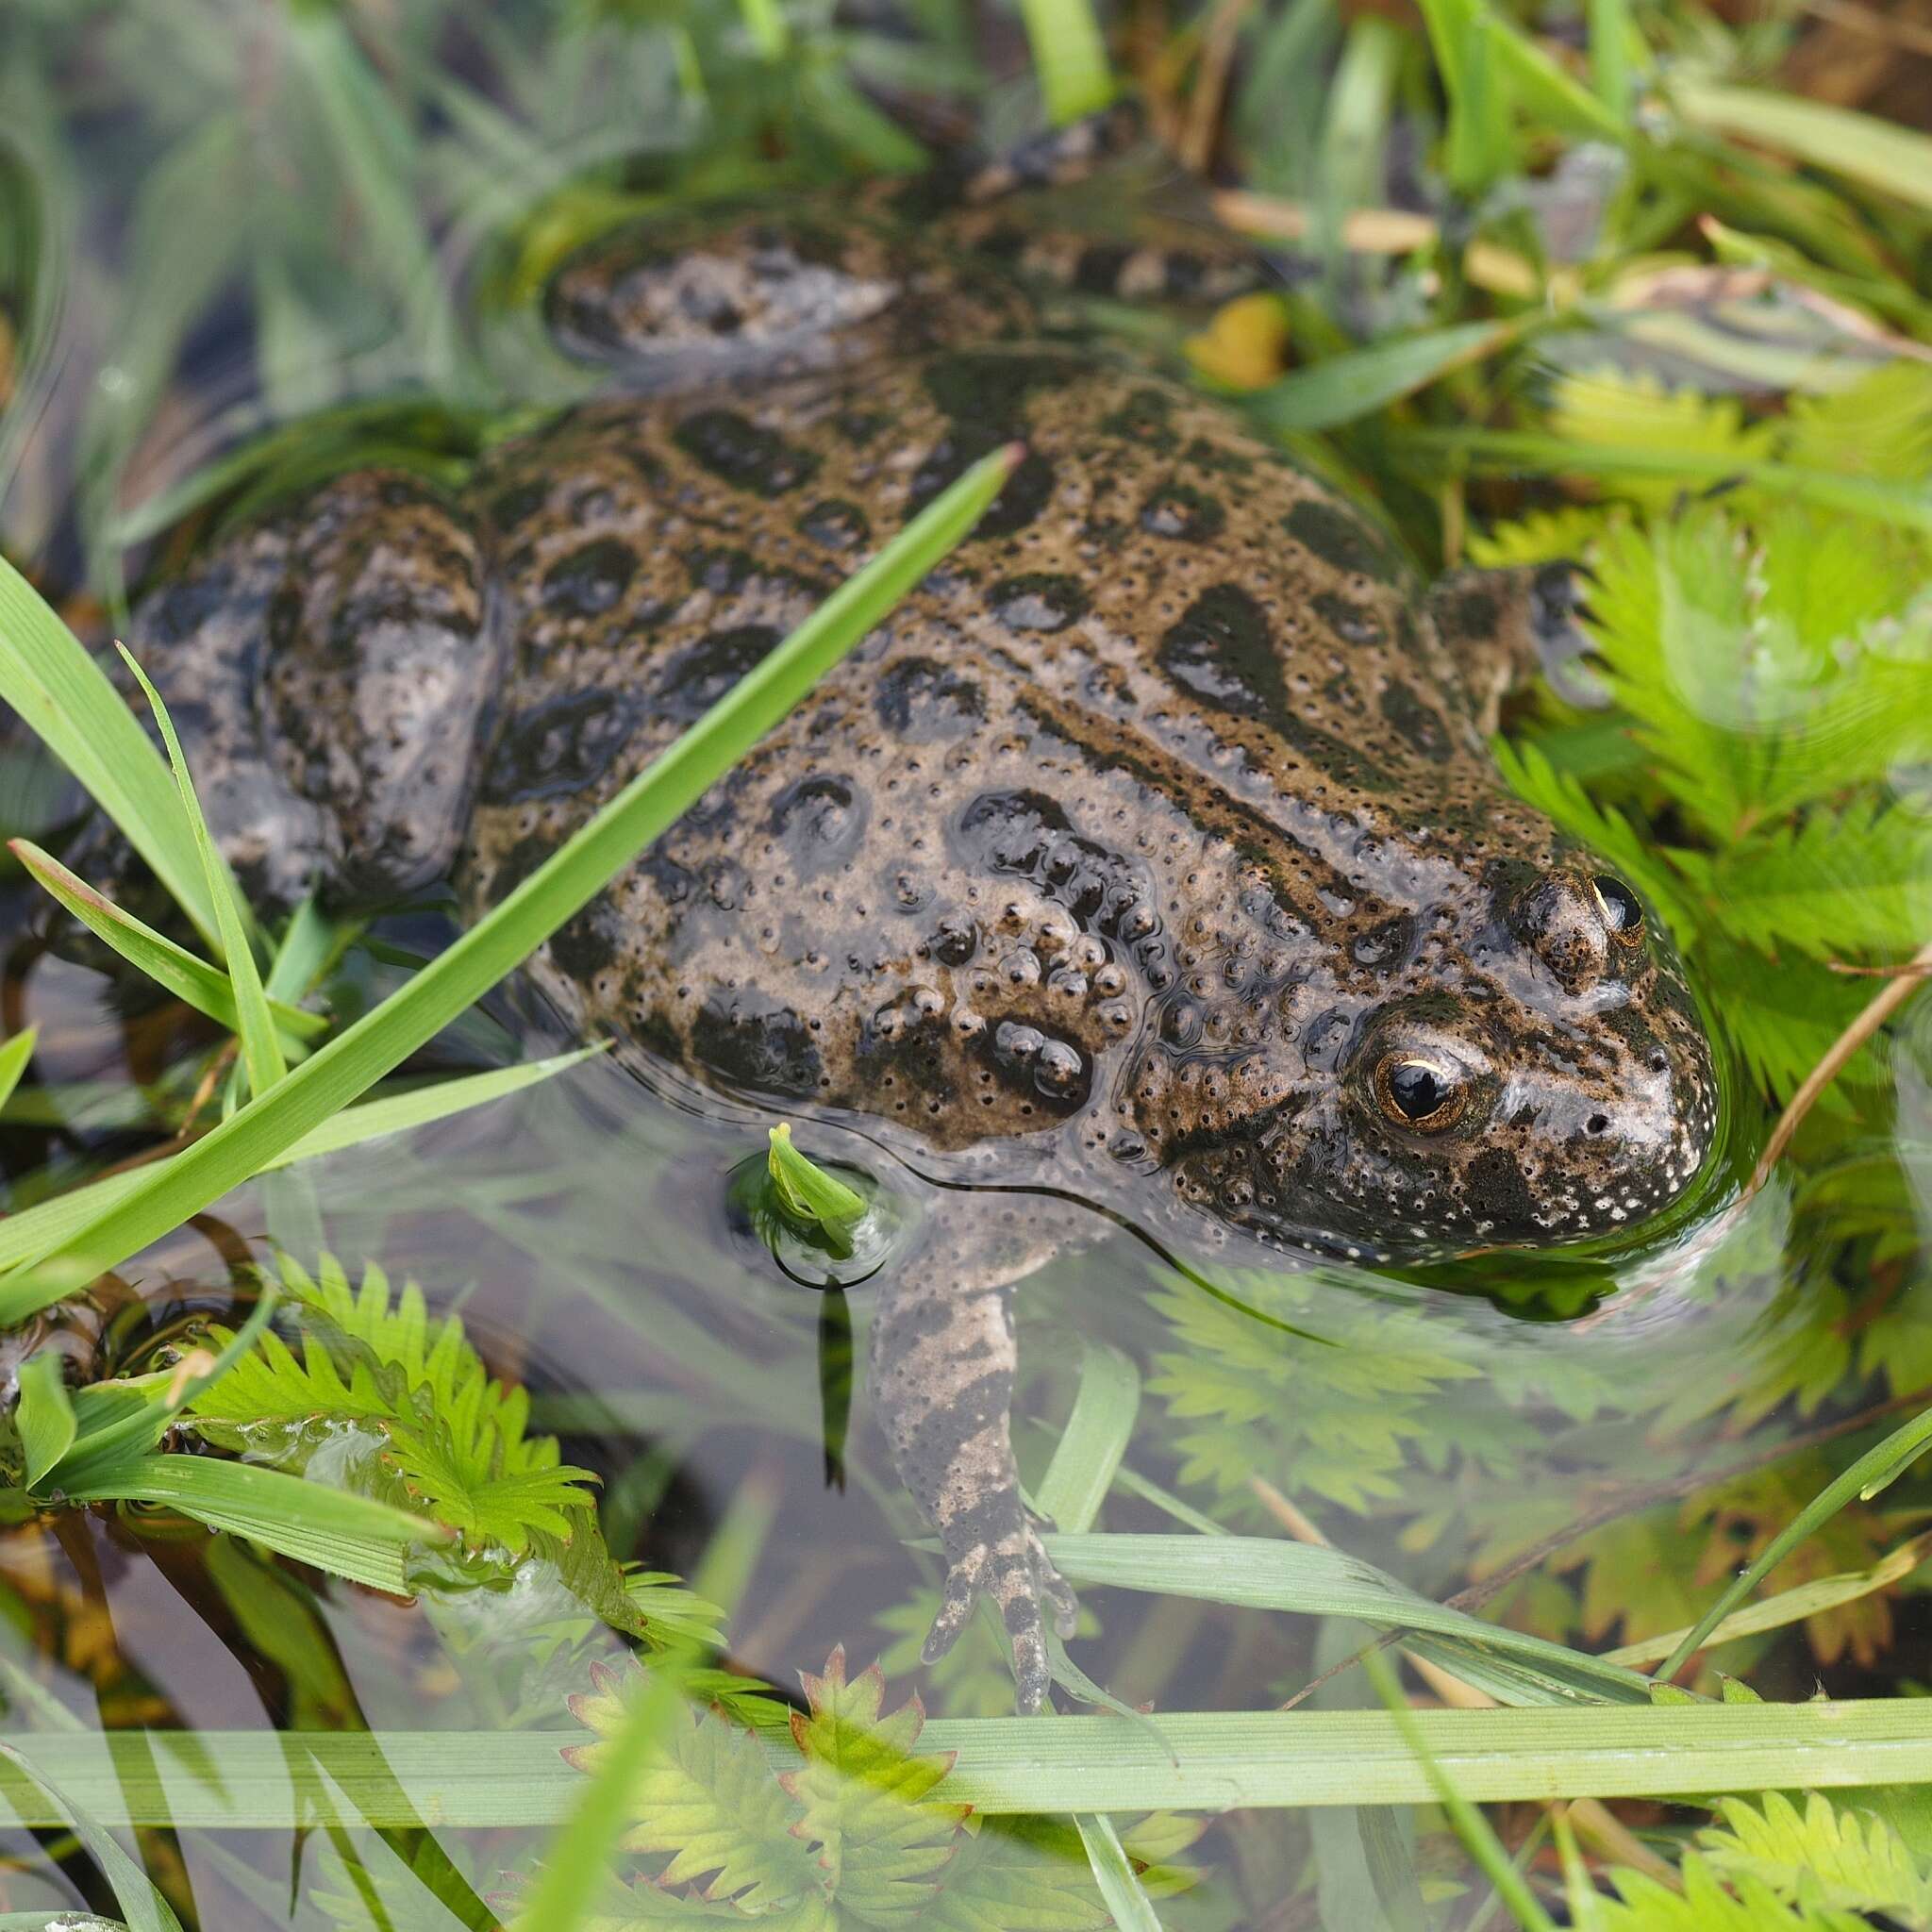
{"type": "Point", "coordinates": [1641, 283]}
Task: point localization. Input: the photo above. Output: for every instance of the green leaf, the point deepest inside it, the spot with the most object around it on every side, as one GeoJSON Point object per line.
{"type": "Point", "coordinates": [440, 1425]}
{"type": "Point", "coordinates": [810, 1195]}
{"type": "Point", "coordinates": [1095, 1440]}
{"type": "Point", "coordinates": [46, 1414]}
{"type": "Point", "coordinates": [705, 1801]}
{"type": "Point", "coordinates": [356, 1537]}
{"type": "Point", "coordinates": [1343, 387]}
{"type": "Point", "coordinates": [355, 1059]}
{"type": "Point", "coordinates": [66, 698]}
{"type": "Point", "coordinates": [32, 1230]}
{"type": "Point", "coordinates": [139, 1899]}
{"type": "Point", "coordinates": [14, 1057]}
{"type": "Point", "coordinates": [1837, 885]}
{"type": "Point", "coordinates": [1070, 55]}
{"type": "Point", "coordinates": [1880, 154]}
{"type": "Point", "coordinates": [1132, 1910]}
{"type": "Point", "coordinates": [205, 988]}
{"type": "Point", "coordinates": [1822, 1857]}
{"type": "Point", "coordinates": [261, 1052]}
{"type": "Point", "coordinates": [1871, 1472]}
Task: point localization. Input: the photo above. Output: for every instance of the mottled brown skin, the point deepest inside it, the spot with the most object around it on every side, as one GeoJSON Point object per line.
{"type": "Point", "coordinates": [1148, 853]}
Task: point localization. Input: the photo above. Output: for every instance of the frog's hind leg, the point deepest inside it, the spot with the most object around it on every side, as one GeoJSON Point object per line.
{"type": "Point", "coordinates": [941, 1371]}
{"type": "Point", "coordinates": [1503, 627]}
{"type": "Point", "coordinates": [332, 669]}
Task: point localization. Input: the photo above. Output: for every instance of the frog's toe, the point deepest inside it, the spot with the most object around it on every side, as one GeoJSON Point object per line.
{"type": "Point", "coordinates": [1559, 595]}
{"type": "Point", "coordinates": [1019, 1578]}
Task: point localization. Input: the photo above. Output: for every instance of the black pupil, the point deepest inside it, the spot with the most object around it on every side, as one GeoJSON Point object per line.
{"type": "Point", "coordinates": [1622, 912]}
{"type": "Point", "coordinates": [1417, 1089]}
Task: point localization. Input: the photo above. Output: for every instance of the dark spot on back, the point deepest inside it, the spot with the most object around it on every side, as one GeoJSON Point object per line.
{"type": "Point", "coordinates": [561, 746]}
{"type": "Point", "coordinates": [1179, 511]}
{"type": "Point", "coordinates": [922, 699]}
{"type": "Point", "coordinates": [698, 678]}
{"type": "Point", "coordinates": [835, 523]}
{"type": "Point", "coordinates": [743, 454]}
{"type": "Point", "coordinates": [1415, 723]}
{"type": "Point", "coordinates": [589, 580]}
{"type": "Point", "coordinates": [1355, 623]}
{"type": "Point", "coordinates": [755, 1042]}
{"type": "Point", "coordinates": [1340, 539]}
{"type": "Point", "coordinates": [1037, 601]}
{"type": "Point", "coordinates": [821, 820]}
{"type": "Point", "coordinates": [1223, 651]}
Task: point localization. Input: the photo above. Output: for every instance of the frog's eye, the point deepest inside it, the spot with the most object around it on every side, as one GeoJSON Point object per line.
{"type": "Point", "coordinates": [1621, 910]}
{"type": "Point", "coordinates": [1420, 1093]}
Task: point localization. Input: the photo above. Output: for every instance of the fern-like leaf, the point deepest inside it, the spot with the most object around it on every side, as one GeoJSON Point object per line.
{"type": "Point", "coordinates": [1822, 1857]}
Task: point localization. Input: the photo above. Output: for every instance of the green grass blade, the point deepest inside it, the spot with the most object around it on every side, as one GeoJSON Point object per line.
{"type": "Point", "coordinates": [1093, 1440]}
{"type": "Point", "coordinates": [349, 1535]}
{"type": "Point", "coordinates": [1879, 154]}
{"type": "Point", "coordinates": [45, 1415]}
{"type": "Point", "coordinates": [75, 711]}
{"type": "Point", "coordinates": [1871, 1472]}
{"type": "Point", "coordinates": [1471, 1828]}
{"type": "Point", "coordinates": [173, 968]}
{"type": "Point", "coordinates": [262, 1051]}
{"type": "Point", "coordinates": [1221, 1760]}
{"type": "Point", "coordinates": [14, 1057]}
{"type": "Point", "coordinates": [1070, 57]}
{"type": "Point", "coordinates": [139, 1899]}
{"type": "Point", "coordinates": [349, 1064]}
{"type": "Point", "coordinates": [1788, 1607]}
{"type": "Point", "coordinates": [1260, 1572]}
{"type": "Point", "coordinates": [1346, 387]}
{"type": "Point", "coordinates": [1120, 1890]}
{"type": "Point", "coordinates": [49, 1222]}
{"type": "Point", "coordinates": [307, 943]}
{"type": "Point", "coordinates": [1610, 33]}
{"type": "Point", "coordinates": [1508, 450]}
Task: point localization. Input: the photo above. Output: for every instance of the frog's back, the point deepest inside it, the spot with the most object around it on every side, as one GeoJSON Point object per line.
{"type": "Point", "coordinates": [1125, 758]}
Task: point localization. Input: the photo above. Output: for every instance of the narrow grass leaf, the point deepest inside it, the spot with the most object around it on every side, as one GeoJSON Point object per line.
{"type": "Point", "coordinates": [139, 1898]}
{"type": "Point", "coordinates": [1113, 1876]}
{"type": "Point", "coordinates": [173, 968]}
{"type": "Point", "coordinates": [45, 1415]}
{"type": "Point", "coordinates": [1909, 506]}
{"type": "Point", "coordinates": [1610, 35]}
{"type": "Point", "coordinates": [14, 1057]}
{"type": "Point", "coordinates": [1879, 154]}
{"type": "Point", "coordinates": [1346, 387]}
{"type": "Point", "coordinates": [66, 698]}
{"type": "Point", "coordinates": [1788, 1605]}
{"type": "Point", "coordinates": [48, 1223]}
{"type": "Point", "coordinates": [1070, 55]}
{"type": "Point", "coordinates": [576, 1864]}
{"type": "Point", "coordinates": [261, 1052]}
{"type": "Point", "coordinates": [352, 1063]}
{"type": "Point", "coordinates": [349, 1535]}
{"type": "Point", "coordinates": [1260, 1572]}
{"type": "Point", "coordinates": [1478, 1839]}
{"type": "Point", "coordinates": [1872, 1472]}
{"type": "Point", "coordinates": [1093, 1440]}
{"type": "Point", "coordinates": [1218, 1761]}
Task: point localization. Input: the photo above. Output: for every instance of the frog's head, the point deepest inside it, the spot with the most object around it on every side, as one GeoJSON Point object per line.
{"type": "Point", "coordinates": [675, 302]}
{"type": "Point", "coordinates": [1530, 1070]}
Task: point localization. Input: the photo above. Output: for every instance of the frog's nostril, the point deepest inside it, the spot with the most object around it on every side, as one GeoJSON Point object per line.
{"type": "Point", "coordinates": [1597, 1124]}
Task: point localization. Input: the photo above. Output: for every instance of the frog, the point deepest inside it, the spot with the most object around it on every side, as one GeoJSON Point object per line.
{"type": "Point", "coordinates": [1146, 864]}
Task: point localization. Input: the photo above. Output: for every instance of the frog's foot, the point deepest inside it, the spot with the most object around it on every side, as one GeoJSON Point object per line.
{"type": "Point", "coordinates": [1558, 594]}
{"type": "Point", "coordinates": [1018, 1578]}
{"type": "Point", "coordinates": [1503, 627]}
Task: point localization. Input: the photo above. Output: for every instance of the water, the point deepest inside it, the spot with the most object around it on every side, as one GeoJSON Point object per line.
{"type": "Point", "coordinates": [1443, 1425]}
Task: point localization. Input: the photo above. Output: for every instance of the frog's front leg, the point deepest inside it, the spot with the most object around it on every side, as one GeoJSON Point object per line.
{"type": "Point", "coordinates": [943, 1362]}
